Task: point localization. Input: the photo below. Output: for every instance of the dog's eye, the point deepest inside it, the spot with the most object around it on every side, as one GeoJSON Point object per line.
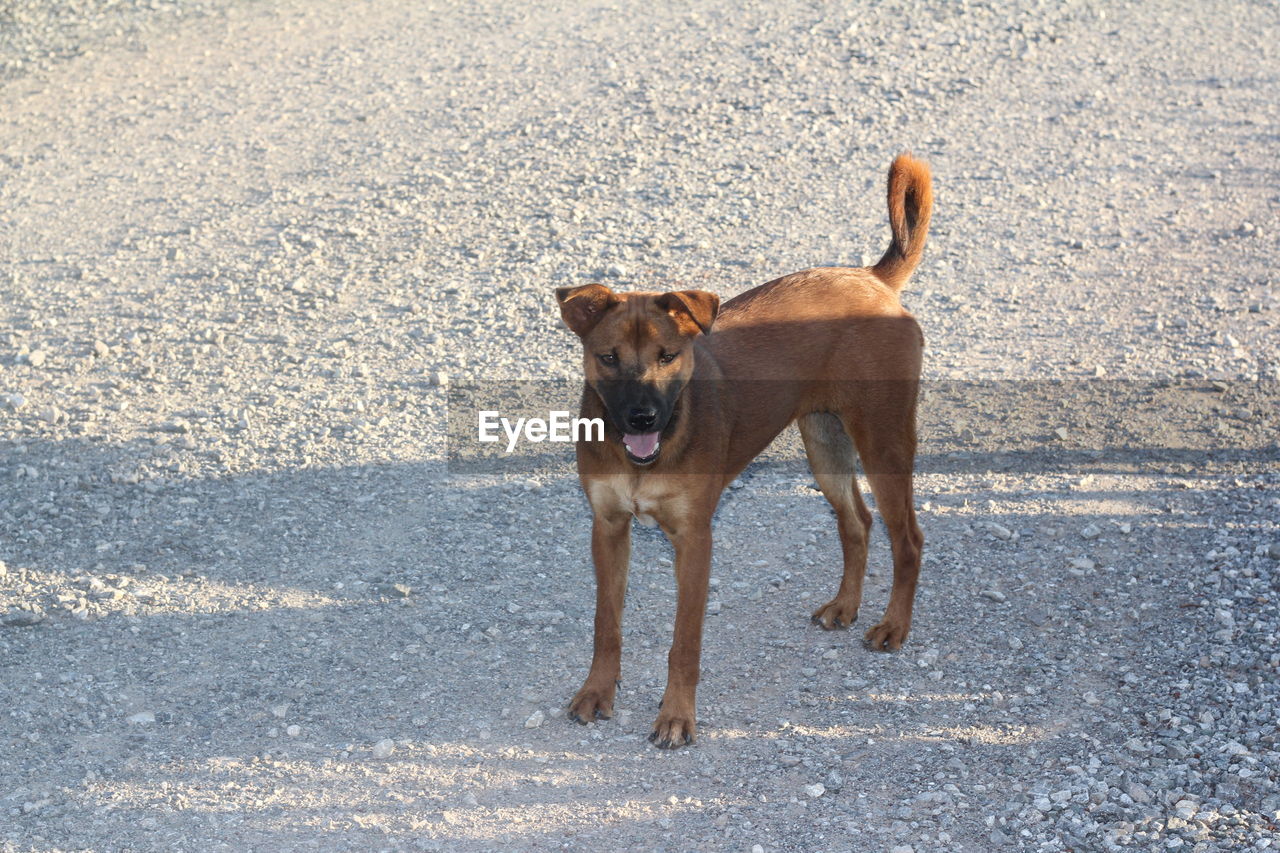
{"type": "Point", "coordinates": [608, 358]}
{"type": "Point", "coordinates": [668, 357]}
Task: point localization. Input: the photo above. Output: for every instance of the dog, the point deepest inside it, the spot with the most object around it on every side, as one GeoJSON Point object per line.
{"type": "Point", "coordinates": [691, 391]}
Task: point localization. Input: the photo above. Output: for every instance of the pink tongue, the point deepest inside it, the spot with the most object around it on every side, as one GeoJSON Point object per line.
{"type": "Point", "coordinates": [642, 445]}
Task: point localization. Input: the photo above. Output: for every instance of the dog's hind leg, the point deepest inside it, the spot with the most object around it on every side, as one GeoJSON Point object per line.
{"type": "Point", "coordinates": [832, 460]}
{"type": "Point", "coordinates": [888, 454]}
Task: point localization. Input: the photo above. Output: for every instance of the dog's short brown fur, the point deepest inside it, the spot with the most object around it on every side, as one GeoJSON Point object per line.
{"type": "Point", "coordinates": [687, 408]}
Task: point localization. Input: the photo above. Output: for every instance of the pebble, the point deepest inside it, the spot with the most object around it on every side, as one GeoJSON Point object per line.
{"type": "Point", "coordinates": [141, 718]}
{"type": "Point", "coordinates": [21, 619]}
{"type": "Point", "coordinates": [293, 730]}
{"type": "Point", "coordinates": [995, 595]}
{"type": "Point", "coordinates": [37, 358]}
{"type": "Point", "coordinates": [815, 790]}
{"type": "Point", "coordinates": [534, 720]}
{"type": "Point", "coordinates": [384, 748]}
{"type": "Point", "coordinates": [1091, 531]}
{"type": "Point", "coordinates": [13, 401]}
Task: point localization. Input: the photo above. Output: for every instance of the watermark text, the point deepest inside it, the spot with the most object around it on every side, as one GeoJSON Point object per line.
{"type": "Point", "coordinates": [558, 426]}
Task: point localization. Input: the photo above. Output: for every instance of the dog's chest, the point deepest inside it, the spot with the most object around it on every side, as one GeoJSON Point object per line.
{"type": "Point", "coordinates": [643, 497]}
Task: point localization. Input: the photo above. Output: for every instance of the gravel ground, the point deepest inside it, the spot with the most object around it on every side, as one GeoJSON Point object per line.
{"type": "Point", "coordinates": [246, 602]}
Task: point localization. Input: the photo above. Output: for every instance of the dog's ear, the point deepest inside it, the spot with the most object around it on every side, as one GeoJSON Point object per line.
{"type": "Point", "coordinates": [582, 307]}
{"type": "Point", "coordinates": [693, 310]}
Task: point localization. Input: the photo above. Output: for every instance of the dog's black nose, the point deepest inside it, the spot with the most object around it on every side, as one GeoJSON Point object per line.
{"type": "Point", "coordinates": [642, 420]}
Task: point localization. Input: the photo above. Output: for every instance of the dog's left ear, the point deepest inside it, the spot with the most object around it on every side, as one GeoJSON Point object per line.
{"type": "Point", "coordinates": [693, 310]}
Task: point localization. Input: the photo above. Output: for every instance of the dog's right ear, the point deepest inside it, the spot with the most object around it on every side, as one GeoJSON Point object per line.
{"type": "Point", "coordinates": [582, 307]}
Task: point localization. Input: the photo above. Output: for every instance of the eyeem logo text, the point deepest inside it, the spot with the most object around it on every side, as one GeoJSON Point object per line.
{"type": "Point", "coordinates": [560, 426]}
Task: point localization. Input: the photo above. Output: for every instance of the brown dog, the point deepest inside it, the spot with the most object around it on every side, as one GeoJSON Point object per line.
{"type": "Point", "coordinates": [687, 409]}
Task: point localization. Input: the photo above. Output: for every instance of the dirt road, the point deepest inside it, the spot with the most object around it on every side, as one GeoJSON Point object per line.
{"type": "Point", "coordinates": [246, 602]}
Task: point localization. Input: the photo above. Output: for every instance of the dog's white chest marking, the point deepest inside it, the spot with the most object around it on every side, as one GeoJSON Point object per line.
{"type": "Point", "coordinates": [643, 512]}
{"type": "Point", "coordinates": [640, 498]}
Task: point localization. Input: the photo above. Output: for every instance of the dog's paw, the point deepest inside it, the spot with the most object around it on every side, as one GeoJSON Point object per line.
{"type": "Point", "coordinates": [672, 730]}
{"type": "Point", "coordinates": [591, 703]}
{"type": "Point", "coordinates": [835, 614]}
{"type": "Point", "coordinates": [889, 635]}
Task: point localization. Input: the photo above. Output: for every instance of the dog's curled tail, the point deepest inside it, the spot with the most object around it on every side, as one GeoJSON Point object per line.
{"type": "Point", "coordinates": [910, 204]}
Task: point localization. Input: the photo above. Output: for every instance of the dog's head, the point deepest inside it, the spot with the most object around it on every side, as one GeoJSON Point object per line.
{"type": "Point", "coordinates": [637, 353]}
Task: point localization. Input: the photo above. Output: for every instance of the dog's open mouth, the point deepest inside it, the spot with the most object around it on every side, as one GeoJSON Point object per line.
{"type": "Point", "coordinates": [642, 448]}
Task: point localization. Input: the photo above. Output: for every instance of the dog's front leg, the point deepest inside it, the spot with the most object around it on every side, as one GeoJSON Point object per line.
{"type": "Point", "coordinates": [676, 723]}
{"type": "Point", "coordinates": [611, 553]}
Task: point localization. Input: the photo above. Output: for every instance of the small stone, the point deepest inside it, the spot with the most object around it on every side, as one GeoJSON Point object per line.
{"type": "Point", "coordinates": [439, 378]}
{"type": "Point", "coordinates": [384, 748]}
{"type": "Point", "coordinates": [815, 790]}
{"type": "Point", "coordinates": [999, 531]}
{"type": "Point", "coordinates": [617, 270]}
{"type": "Point", "coordinates": [13, 401]}
{"type": "Point", "coordinates": [1273, 550]}
{"type": "Point", "coordinates": [1135, 745]}
{"type": "Point", "coordinates": [1082, 563]}
{"type": "Point", "coordinates": [535, 719]}
{"type": "Point", "coordinates": [1091, 531]}
{"type": "Point", "coordinates": [293, 731]}
{"type": "Point", "coordinates": [396, 590]}
{"type": "Point", "coordinates": [279, 711]}
{"type": "Point", "coordinates": [141, 718]}
{"type": "Point", "coordinates": [902, 848]}
{"type": "Point", "coordinates": [1091, 698]}
{"type": "Point", "coordinates": [1125, 527]}
{"type": "Point", "coordinates": [1015, 643]}
{"type": "Point", "coordinates": [37, 358]}
{"type": "Point", "coordinates": [21, 619]}
{"type": "Point", "coordinates": [1061, 433]}
{"type": "Point", "coordinates": [100, 349]}
{"type": "Point", "coordinates": [995, 595]}
{"type": "Point", "coordinates": [713, 608]}
{"type": "Point", "coordinates": [834, 781]}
